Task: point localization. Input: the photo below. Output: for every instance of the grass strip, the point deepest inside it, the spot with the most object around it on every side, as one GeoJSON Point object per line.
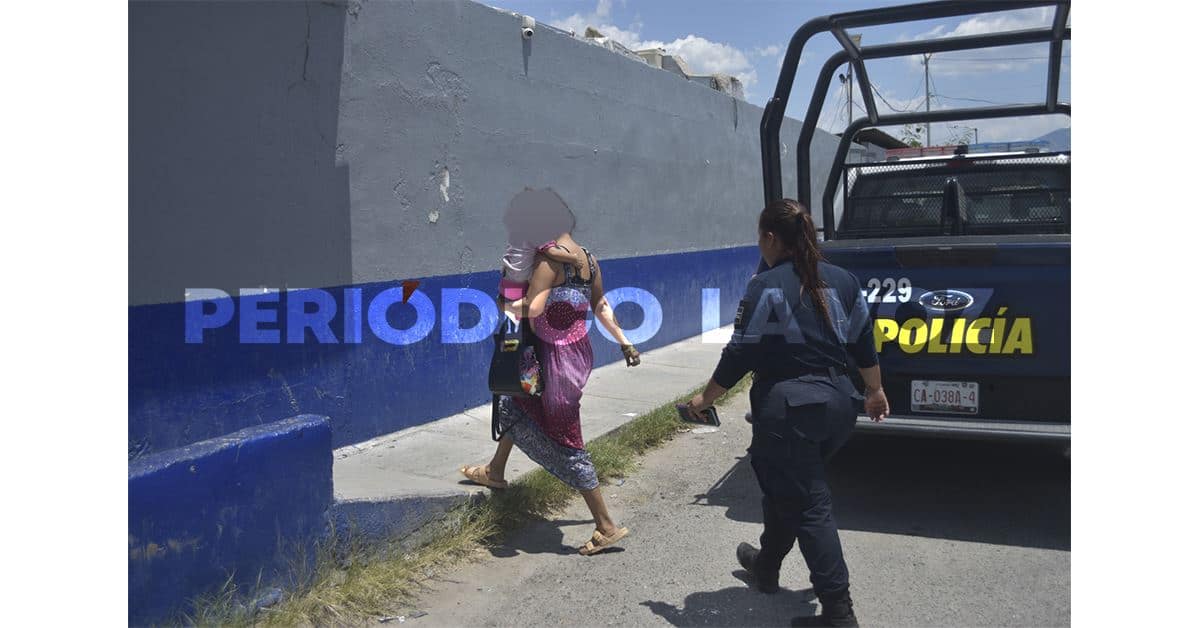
{"type": "Point", "coordinates": [355, 583]}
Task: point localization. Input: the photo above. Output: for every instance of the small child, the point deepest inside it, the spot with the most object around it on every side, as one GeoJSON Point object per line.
{"type": "Point", "coordinates": [518, 264]}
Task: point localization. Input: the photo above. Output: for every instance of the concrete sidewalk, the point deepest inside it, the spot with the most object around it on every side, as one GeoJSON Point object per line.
{"type": "Point", "coordinates": [392, 485]}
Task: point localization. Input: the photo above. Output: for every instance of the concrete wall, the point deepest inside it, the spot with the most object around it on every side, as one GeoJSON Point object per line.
{"type": "Point", "coordinates": [649, 162]}
{"type": "Point", "coordinates": [353, 146]}
{"type": "Point", "coordinates": [233, 121]}
{"type": "Point", "coordinates": [245, 505]}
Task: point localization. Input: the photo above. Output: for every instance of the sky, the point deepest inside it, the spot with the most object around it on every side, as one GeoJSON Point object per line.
{"type": "Point", "coordinates": [747, 39]}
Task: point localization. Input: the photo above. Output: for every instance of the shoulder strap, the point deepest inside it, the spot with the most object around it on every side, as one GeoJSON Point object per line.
{"type": "Point", "coordinates": [498, 432]}
{"type": "Point", "coordinates": [591, 264]}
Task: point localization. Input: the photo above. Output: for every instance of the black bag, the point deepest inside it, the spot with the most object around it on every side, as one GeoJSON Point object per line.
{"type": "Point", "coordinates": [515, 370]}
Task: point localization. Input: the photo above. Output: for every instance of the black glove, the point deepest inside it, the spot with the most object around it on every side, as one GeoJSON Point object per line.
{"type": "Point", "coordinates": [632, 357]}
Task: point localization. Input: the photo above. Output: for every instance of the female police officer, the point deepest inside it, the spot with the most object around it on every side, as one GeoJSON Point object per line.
{"type": "Point", "coordinates": [795, 327]}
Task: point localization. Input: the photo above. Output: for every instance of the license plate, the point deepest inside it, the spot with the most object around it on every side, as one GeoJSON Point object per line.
{"type": "Point", "coordinates": [945, 397]}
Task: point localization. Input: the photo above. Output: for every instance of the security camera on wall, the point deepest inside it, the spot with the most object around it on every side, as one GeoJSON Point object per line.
{"type": "Point", "coordinates": [527, 24]}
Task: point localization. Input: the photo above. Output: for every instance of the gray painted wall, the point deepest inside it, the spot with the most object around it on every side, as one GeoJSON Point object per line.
{"type": "Point", "coordinates": [649, 161]}
{"type": "Point", "coordinates": [317, 144]}
{"type": "Point", "coordinates": [233, 110]}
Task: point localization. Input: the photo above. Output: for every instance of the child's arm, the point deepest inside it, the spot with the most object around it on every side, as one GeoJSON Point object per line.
{"type": "Point", "coordinates": [561, 254]}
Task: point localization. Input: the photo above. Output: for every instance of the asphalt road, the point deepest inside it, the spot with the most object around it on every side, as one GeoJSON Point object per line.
{"type": "Point", "coordinates": [936, 533]}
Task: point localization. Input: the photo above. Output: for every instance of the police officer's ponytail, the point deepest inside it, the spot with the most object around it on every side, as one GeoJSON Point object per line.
{"type": "Point", "coordinates": [791, 222]}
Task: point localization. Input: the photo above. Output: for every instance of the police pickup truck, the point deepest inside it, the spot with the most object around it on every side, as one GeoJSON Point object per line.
{"type": "Point", "coordinates": [964, 256]}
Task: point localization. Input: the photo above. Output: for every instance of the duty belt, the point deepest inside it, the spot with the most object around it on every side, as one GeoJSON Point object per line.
{"type": "Point", "coordinates": [832, 372]}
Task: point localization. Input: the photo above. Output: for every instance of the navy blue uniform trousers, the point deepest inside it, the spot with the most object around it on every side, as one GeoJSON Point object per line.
{"type": "Point", "coordinates": [799, 424]}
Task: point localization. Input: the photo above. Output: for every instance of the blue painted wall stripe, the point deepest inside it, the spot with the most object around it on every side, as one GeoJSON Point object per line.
{"type": "Point", "coordinates": [246, 504]}
{"type": "Point", "coordinates": [182, 393]}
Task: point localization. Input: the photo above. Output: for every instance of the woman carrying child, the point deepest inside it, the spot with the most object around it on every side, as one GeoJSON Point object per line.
{"type": "Point", "coordinates": [564, 281]}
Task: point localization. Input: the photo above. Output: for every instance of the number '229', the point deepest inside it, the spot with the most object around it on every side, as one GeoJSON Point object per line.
{"type": "Point", "coordinates": [888, 290]}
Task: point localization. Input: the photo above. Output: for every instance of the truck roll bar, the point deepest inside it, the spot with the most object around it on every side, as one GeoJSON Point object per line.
{"type": "Point", "coordinates": [837, 24]}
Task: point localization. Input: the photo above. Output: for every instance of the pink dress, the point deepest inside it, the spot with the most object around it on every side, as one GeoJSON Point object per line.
{"type": "Point", "coordinates": [565, 353]}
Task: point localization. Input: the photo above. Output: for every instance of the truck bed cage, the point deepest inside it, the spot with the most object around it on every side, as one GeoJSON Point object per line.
{"type": "Point", "coordinates": [837, 24]}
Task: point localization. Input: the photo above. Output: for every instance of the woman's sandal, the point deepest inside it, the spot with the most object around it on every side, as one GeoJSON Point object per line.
{"type": "Point", "coordinates": [478, 474]}
{"type": "Point", "coordinates": [599, 541]}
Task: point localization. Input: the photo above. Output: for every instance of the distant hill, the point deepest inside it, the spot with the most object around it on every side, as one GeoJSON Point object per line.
{"type": "Point", "coordinates": [1059, 140]}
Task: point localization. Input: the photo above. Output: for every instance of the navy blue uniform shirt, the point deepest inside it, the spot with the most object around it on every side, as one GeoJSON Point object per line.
{"type": "Point", "coordinates": [778, 332]}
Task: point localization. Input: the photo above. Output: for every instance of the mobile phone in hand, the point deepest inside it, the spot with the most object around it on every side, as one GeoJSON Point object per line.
{"type": "Point", "coordinates": [709, 414]}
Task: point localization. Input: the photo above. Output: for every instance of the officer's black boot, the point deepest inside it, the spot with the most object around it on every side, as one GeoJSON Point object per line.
{"type": "Point", "coordinates": [836, 610]}
{"type": "Point", "coordinates": [767, 582]}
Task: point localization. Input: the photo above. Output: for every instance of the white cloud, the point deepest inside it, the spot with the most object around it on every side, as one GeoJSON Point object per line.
{"type": "Point", "coordinates": [701, 55]}
{"type": "Point", "coordinates": [1007, 21]}
{"type": "Point", "coordinates": [578, 23]}
{"type": "Point", "coordinates": [769, 51]}
{"type": "Point", "coordinates": [990, 60]}
{"type": "Point", "coordinates": [710, 57]}
{"type": "Point", "coordinates": [598, 19]}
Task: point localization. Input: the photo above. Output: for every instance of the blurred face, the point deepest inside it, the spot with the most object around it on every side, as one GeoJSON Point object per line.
{"type": "Point", "coordinates": [535, 216]}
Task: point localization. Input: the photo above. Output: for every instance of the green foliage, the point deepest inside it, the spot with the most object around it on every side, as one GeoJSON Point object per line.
{"type": "Point", "coordinates": [913, 135]}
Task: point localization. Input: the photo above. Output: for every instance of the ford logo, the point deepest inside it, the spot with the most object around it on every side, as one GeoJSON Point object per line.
{"type": "Point", "coordinates": [946, 300]}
